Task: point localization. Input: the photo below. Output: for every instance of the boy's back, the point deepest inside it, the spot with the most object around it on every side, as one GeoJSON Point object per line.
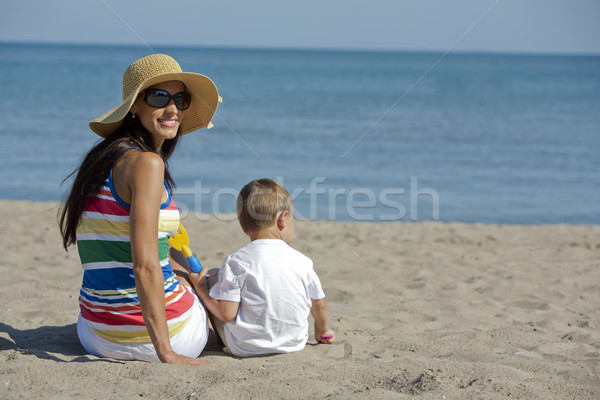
{"type": "Point", "coordinates": [265, 290]}
{"type": "Point", "coordinates": [274, 285]}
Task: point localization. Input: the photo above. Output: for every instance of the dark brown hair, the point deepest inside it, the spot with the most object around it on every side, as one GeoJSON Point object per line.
{"type": "Point", "coordinates": [259, 202]}
{"type": "Point", "coordinates": [96, 166]}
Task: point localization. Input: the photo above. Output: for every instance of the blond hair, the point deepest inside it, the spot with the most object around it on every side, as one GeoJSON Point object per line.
{"type": "Point", "coordinates": [259, 203]}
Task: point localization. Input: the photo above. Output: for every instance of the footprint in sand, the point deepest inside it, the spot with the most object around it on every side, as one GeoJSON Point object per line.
{"type": "Point", "coordinates": [347, 349]}
{"type": "Point", "coordinates": [416, 284]}
{"type": "Point", "coordinates": [531, 305]}
{"type": "Point", "coordinates": [339, 351]}
{"type": "Point", "coordinates": [339, 296]}
{"type": "Point", "coordinates": [428, 318]}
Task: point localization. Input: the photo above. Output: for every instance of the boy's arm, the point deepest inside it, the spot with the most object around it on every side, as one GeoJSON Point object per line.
{"type": "Point", "coordinates": [222, 309]}
{"type": "Point", "coordinates": [319, 312]}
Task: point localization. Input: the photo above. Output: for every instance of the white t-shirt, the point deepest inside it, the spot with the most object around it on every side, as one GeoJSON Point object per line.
{"type": "Point", "coordinates": [274, 285]}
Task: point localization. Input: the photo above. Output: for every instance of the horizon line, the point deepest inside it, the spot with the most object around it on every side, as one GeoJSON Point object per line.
{"type": "Point", "coordinates": [298, 48]}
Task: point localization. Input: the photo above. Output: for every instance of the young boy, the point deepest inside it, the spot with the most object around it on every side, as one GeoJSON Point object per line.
{"type": "Point", "coordinates": [266, 289]}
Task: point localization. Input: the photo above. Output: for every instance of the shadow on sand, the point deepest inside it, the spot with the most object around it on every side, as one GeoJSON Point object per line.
{"type": "Point", "coordinates": [46, 342]}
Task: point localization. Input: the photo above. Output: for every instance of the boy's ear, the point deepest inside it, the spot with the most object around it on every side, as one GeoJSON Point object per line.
{"type": "Point", "coordinates": [281, 219]}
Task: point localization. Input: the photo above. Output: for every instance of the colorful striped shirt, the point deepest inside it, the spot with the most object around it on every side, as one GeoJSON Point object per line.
{"type": "Point", "coordinates": [108, 298]}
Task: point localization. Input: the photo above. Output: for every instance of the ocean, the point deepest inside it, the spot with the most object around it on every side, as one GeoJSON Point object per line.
{"type": "Point", "coordinates": [354, 136]}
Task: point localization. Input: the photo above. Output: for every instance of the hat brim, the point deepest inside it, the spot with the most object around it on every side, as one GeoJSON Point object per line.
{"type": "Point", "coordinates": [205, 99]}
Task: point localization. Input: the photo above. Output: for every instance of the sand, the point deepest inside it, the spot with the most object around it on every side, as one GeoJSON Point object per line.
{"type": "Point", "coordinates": [421, 310]}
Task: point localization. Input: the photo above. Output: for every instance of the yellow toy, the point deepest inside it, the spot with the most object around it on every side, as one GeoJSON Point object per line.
{"type": "Point", "coordinates": [181, 241]}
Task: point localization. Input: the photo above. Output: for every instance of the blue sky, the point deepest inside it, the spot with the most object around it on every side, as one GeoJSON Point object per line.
{"type": "Point", "coordinates": [522, 26]}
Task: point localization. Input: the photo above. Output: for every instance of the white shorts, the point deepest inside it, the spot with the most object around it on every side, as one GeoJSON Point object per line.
{"type": "Point", "coordinates": [190, 341]}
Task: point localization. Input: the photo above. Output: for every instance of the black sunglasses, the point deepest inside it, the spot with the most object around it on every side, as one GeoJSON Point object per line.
{"type": "Point", "coordinates": [159, 98]}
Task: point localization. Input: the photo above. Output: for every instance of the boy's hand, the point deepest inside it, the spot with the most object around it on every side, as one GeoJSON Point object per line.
{"type": "Point", "coordinates": [326, 336]}
{"type": "Point", "coordinates": [199, 280]}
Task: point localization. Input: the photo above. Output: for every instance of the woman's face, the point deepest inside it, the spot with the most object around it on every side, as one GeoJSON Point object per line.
{"type": "Point", "coordinates": [162, 123]}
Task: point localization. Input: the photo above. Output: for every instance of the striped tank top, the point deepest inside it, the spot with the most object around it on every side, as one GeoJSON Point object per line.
{"type": "Point", "coordinates": [108, 298]}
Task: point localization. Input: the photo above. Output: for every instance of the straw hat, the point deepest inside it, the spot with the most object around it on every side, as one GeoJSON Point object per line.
{"type": "Point", "coordinates": [154, 69]}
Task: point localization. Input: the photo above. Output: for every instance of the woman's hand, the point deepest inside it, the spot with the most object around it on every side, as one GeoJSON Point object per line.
{"type": "Point", "coordinates": [174, 358]}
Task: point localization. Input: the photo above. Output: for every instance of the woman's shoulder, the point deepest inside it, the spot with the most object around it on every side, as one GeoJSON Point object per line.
{"type": "Point", "coordinates": [147, 159]}
{"type": "Point", "coordinates": [138, 169]}
{"type": "Point", "coordinates": [135, 162]}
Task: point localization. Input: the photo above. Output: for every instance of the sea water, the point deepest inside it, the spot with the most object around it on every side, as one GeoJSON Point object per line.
{"type": "Point", "coordinates": [354, 136]}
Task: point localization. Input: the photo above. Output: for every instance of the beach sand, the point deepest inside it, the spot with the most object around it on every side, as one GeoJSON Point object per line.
{"type": "Point", "coordinates": [421, 310]}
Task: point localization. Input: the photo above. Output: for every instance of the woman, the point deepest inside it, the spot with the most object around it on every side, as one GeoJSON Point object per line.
{"type": "Point", "coordinates": [120, 213]}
